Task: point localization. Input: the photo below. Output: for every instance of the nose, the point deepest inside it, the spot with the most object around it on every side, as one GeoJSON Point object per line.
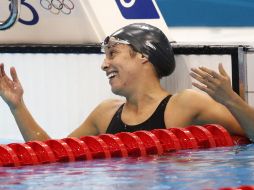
{"type": "Point", "coordinates": [105, 64]}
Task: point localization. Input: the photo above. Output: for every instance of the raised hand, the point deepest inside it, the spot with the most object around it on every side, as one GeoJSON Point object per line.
{"type": "Point", "coordinates": [10, 89]}
{"type": "Point", "coordinates": [217, 85]}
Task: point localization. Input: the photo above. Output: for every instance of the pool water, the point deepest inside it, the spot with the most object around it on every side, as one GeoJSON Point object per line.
{"type": "Point", "coordinates": [186, 169]}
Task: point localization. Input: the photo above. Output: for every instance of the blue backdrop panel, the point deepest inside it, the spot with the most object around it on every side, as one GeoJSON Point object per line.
{"type": "Point", "coordinates": [219, 13]}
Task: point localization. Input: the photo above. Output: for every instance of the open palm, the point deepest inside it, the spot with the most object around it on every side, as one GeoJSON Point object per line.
{"type": "Point", "coordinates": [10, 89]}
{"type": "Point", "coordinates": [217, 85]}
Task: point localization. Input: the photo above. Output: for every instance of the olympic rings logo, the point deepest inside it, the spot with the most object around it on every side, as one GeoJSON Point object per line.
{"type": "Point", "coordinates": [57, 6]}
{"type": "Point", "coordinates": [129, 4]}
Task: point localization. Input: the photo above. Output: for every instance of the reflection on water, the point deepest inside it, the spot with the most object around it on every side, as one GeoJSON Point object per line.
{"type": "Point", "coordinates": [189, 169]}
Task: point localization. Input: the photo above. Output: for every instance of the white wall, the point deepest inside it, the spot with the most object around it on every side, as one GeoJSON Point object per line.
{"type": "Point", "coordinates": [250, 78]}
{"type": "Point", "coordinates": [62, 89]}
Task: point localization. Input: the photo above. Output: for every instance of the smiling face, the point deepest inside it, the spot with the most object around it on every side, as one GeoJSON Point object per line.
{"type": "Point", "coordinates": [122, 66]}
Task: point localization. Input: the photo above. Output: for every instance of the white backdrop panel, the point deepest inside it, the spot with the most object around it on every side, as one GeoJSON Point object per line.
{"type": "Point", "coordinates": [250, 70]}
{"type": "Point", "coordinates": [250, 78]}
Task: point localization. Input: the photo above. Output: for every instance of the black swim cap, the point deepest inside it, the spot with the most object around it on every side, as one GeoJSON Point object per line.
{"type": "Point", "coordinates": [152, 42]}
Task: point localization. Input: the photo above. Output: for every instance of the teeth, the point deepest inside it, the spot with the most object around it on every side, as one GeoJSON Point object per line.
{"type": "Point", "coordinates": [111, 75]}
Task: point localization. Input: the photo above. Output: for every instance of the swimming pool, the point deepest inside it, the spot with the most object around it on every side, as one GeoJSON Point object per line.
{"type": "Point", "coordinates": [185, 169]}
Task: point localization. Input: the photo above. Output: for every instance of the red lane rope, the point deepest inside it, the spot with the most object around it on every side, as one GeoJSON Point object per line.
{"type": "Point", "coordinates": [139, 143]}
{"type": "Point", "coordinates": [244, 187]}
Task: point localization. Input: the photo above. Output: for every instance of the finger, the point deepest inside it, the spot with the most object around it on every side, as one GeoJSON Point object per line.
{"type": "Point", "coordinates": [202, 73]}
{"type": "Point", "coordinates": [198, 78]}
{"type": "Point", "coordinates": [209, 84]}
{"type": "Point", "coordinates": [197, 71]}
{"type": "Point", "coordinates": [222, 70]}
{"type": "Point", "coordinates": [14, 74]}
{"type": "Point", "coordinates": [1, 70]}
{"type": "Point", "coordinates": [210, 72]}
{"type": "Point", "coordinates": [203, 78]}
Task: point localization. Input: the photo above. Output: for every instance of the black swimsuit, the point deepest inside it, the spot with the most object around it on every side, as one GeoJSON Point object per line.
{"type": "Point", "coordinates": [156, 121]}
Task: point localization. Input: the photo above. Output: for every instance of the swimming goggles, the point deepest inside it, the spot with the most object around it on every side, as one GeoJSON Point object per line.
{"type": "Point", "coordinates": [112, 41]}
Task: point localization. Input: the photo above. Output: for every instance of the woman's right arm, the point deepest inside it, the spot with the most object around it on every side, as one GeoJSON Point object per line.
{"type": "Point", "coordinates": [12, 93]}
{"type": "Point", "coordinates": [28, 127]}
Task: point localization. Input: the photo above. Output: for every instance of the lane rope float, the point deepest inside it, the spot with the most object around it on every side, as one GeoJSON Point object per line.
{"type": "Point", "coordinates": [139, 143]}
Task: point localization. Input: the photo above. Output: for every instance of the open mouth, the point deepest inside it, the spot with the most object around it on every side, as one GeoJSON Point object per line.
{"type": "Point", "coordinates": [111, 75]}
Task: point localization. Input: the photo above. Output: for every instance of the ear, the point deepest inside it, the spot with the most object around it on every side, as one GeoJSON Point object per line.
{"type": "Point", "coordinates": [143, 58]}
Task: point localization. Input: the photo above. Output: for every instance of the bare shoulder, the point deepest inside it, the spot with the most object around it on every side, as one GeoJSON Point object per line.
{"type": "Point", "coordinates": [191, 97]}
{"type": "Point", "coordinates": [193, 102]}
{"type": "Point", "coordinates": [109, 104]}
{"type": "Point", "coordinates": [98, 120]}
{"type": "Point", "coordinates": [190, 103]}
{"type": "Point", "coordinates": [198, 108]}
